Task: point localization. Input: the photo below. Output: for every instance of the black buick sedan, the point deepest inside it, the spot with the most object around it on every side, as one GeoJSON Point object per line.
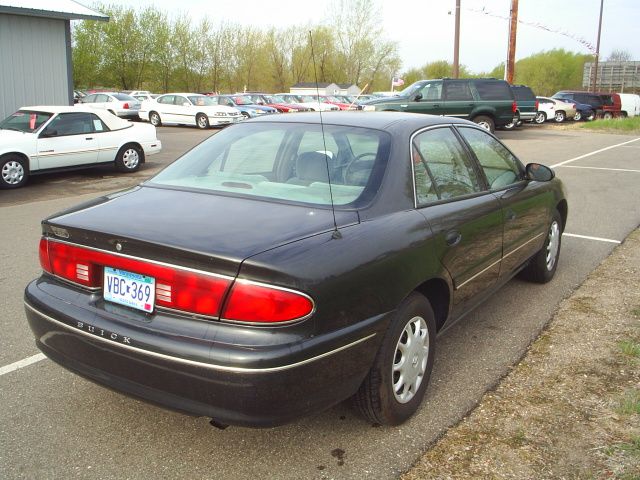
{"type": "Point", "coordinates": [284, 265]}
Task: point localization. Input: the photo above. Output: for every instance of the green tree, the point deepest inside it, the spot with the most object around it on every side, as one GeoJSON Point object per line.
{"type": "Point", "coordinates": [550, 71]}
{"type": "Point", "coordinates": [87, 53]}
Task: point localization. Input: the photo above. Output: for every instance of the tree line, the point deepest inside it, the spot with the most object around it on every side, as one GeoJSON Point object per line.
{"type": "Point", "coordinates": [147, 49]}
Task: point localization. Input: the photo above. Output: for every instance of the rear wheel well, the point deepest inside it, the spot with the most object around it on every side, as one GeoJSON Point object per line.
{"type": "Point", "coordinates": [437, 292]}
{"type": "Point", "coordinates": [563, 209]}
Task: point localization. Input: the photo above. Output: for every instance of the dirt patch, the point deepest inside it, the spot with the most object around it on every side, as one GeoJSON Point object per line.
{"type": "Point", "coordinates": [571, 407]}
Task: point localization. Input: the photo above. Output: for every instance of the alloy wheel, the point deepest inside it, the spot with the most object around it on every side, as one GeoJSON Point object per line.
{"type": "Point", "coordinates": [578, 116]}
{"type": "Point", "coordinates": [410, 359]}
{"type": "Point", "coordinates": [553, 245]}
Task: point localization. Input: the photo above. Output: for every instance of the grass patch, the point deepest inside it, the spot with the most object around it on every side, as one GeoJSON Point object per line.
{"type": "Point", "coordinates": [625, 125]}
{"type": "Point", "coordinates": [630, 404]}
{"type": "Point", "coordinates": [630, 348]}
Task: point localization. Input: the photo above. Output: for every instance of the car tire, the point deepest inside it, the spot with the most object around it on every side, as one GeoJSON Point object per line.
{"type": "Point", "coordinates": [509, 126]}
{"type": "Point", "coordinates": [485, 122]}
{"type": "Point", "coordinates": [578, 116]}
{"type": "Point", "coordinates": [202, 122]}
{"type": "Point", "coordinates": [590, 116]}
{"type": "Point", "coordinates": [245, 115]}
{"type": "Point", "coordinates": [560, 116]}
{"type": "Point", "coordinates": [542, 267]}
{"type": "Point", "coordinates": [154, 118]}
{"type": "Point", "coordinates": [129, 158]}
{"type": "Point", "coordinates": [607, 115]}
{"type": "Point", "coordinates": [540, 118]}
{"type": "Point", "coordinates": [413, 328]}
{"type": "Point", "coordinates": [13, 172]}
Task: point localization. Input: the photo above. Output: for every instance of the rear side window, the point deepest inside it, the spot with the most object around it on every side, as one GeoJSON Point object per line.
{"type": "Point", "coordinates": [500, 167]}
{"type": "Point", "coordinates": [457, 90]}
{"type": "Point", "coordinates": [493, 90]}
{"type": "Point", "coordinates": [523, 93]}
{"type": "Point", "coordinates": [442, 170]}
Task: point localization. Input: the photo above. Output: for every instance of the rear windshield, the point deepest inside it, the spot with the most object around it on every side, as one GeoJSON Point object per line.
{"type": "Point", "coordinates": [124, 97]}
{"type": "Point", "coordinates": [493, 90]}
{"type": "Point", "coordinates": [523, 93]}
{"type": "Point", "coordinates": [24, 121]}
{"type": "Point", "coordinates": [284, 161]}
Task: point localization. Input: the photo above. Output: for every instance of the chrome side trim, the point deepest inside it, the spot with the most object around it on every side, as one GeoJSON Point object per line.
{"type": "Point", "coordinates": [194, 363]}
{"type": "Point", "coordinates": [498, 261]}
{"type": "Point", "coordinates": [525, 243]}
{"type": "Point", "coordinates": [478, 274]}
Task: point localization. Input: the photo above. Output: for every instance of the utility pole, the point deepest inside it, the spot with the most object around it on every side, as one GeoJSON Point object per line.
{"type": "Point", "coordinates": [594, 83]}
{"type": "Point", "coordinates": [456, 44]}
{"type": "Point", "coordinates": [511, 54]}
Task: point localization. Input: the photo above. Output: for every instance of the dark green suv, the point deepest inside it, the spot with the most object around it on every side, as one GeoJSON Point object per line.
{"type": "Point", "coordinates": [485, 101]}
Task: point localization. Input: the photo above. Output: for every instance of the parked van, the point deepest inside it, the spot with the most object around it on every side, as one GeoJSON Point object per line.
{"type": "Point", "coordinates": [486, 101]}
{"type": "Point", "coordinates": [630, 104]}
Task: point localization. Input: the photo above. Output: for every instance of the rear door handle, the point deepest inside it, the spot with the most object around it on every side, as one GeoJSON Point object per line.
{"type": "Point", "coordinates": [89, 138]}
{"type": "Point", "coordinates": [453, 238]}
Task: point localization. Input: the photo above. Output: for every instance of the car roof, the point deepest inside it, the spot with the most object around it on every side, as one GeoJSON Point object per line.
{"type": "Point", "coordinates": [112, 121]}
{"type": "Point", "coordinates": [186, 94]}
{"type": "Point", "coordinates": [377, 120]}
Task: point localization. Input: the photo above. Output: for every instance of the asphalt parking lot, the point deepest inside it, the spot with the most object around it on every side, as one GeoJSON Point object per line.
{"type": "Point", "coordinates": [57, 425]}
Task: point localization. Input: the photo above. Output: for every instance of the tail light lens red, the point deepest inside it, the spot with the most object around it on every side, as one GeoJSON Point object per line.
{"type": "Point", "coordinates": [179, 288]}
{"type": "Point", "coordinates": [537, 105]}
{"type": "Point", "coordinates": [125, 106]}
{"type": "Point", "coordinates": [249, 302]}
{"type": "Point", "coordinates": [514, 107]}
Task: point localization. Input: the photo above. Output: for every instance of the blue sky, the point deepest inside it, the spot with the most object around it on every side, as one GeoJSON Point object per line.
{"type": "Point", "coordinates": [424, 28]}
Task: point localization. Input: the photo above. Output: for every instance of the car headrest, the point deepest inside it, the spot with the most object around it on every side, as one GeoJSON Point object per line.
{"type": "Point", "coordinates": [312, 167]}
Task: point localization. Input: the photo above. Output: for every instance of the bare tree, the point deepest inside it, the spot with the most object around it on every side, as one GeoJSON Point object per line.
{"type": "Point", "coordinates": [619, 55]}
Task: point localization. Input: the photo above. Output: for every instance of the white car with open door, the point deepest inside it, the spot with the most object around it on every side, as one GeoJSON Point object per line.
{"type": "Point", "coordinates": [554, 109]}
{"type": "Point", "coordinates": [188, 109]}
{"type": "Point", "coordinates": [43, 139]}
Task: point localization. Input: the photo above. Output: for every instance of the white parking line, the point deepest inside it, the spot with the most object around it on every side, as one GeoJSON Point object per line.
{"type": "Point", "coordinates": [598, 239]}
{"type": "Point", "coordinates": [21, 363]}
{"type": "Point", "coordinates": [602, 168]}
{"type": "Point", "coordinates": [593, 153]}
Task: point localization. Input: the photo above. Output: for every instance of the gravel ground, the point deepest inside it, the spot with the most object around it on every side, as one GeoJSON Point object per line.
{"type": "Point", "coordinates": [571, 408]}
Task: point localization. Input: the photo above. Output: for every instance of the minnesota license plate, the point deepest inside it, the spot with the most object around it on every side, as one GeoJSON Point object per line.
{"type": "Point", "coordinates": [130, 289]}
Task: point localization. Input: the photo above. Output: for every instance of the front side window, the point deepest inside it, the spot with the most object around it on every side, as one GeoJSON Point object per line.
{"type": "Point", "coordinates": [69, 124]}
{"type": "Point", "coordinates": [431, 91]}
{"type": "Point", "coordinates": [286, 162]}
{"type": "Point", "coordinates": [442, 170]}
{"type": "Point", "coordinates": [25, 121]}
{"type": "Point", "coordinates": [500, 167]}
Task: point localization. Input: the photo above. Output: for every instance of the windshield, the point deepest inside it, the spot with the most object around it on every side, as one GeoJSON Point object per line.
{"type": "Point", "coordinates": [243, 100]}
{"type": "Point", "coordinates": [202, 101]}
{"type": "Point", "coordinates": [257, 99]}
{"type": "Point", "coordinates": [285, 161]}
{"type": "Point", "coordinates": [411, 89]}
{"type": "Point", "coordinates": [308, 98]}
{"type": "Point", "coordinates": [25, 121]}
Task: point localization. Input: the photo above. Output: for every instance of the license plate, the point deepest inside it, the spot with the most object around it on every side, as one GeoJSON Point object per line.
{"type": "Point", "coordinates": [130, 289]}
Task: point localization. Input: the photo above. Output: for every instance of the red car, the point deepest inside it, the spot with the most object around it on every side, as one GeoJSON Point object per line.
{"type": "Point", "coordinates": [335, 101]}
{"type": "Point", "coordinates": [278, 104]}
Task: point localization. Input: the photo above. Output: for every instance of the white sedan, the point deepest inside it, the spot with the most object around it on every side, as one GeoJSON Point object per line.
{"type": "Point", "coordinates": [43, 139]}
{"type": "Point", "coordinates": [120, 104]}
{"type": "Point", "coordinates": [551, 108]}
{"type": "Point", "coordinates": [188, 109]}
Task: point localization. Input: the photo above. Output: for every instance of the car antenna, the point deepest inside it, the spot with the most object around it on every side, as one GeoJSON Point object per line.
{"type": "Point", "coordinates": [336, 232]}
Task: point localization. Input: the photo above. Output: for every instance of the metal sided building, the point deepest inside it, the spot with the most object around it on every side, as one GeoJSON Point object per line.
{"type": "Point", "coordinates": [622, 77]}
{"type": "Point", "coordinates": [35, 52]}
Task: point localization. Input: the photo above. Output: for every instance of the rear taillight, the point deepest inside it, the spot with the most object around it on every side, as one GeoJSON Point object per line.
{"type": "Point", "coordinates": [125, 106]}
{"type": "Point", "coordinates": [537, 105]}
{"type": "Point", "coordinates": [250, 302]}
{"type": "Point", "coordinates": [176, 288]}
{"type": "Point", "coordinates": [514, 107]}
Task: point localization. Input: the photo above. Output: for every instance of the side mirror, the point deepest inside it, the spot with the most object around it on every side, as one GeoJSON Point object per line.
{"type": "Point", "coordinates": [539, 173]}
{"type": "Point", "coordinates": [418, 97]}
{"type": "Point", "coordinates": [49, 133]}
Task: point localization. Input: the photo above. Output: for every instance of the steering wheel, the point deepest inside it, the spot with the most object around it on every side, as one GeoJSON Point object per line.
{"type": "Point", "coordinates": [350, 169]}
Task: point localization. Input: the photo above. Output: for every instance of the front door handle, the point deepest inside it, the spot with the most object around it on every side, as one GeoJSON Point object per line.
{"type": "Point", "coordinates": [89, 138]}
{"type": "Point", "coordinates": [453, 238]}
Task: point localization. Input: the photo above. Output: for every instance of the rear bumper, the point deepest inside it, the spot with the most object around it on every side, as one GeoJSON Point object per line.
{"type": "Point", "coordinates": [151, 148]}
{"type": "Point", "coordinates": [128, 113]}
{"type": "Point", "coordinates": [179, 363]}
